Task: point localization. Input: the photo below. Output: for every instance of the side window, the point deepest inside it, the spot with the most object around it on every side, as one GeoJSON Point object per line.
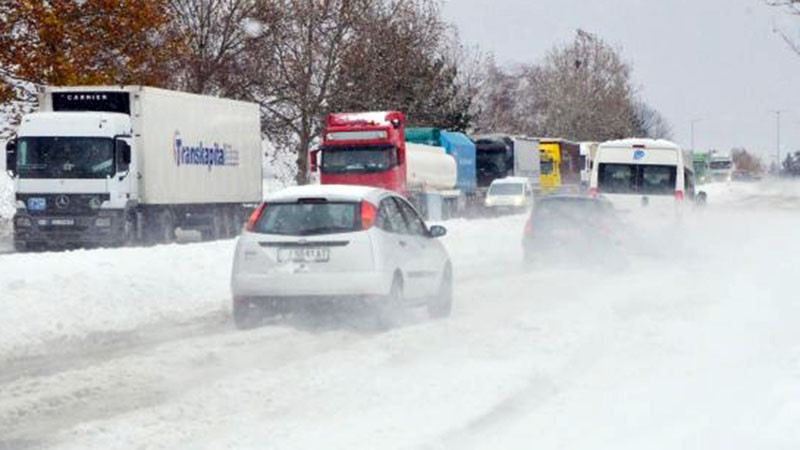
{"type": "Point", "coordinates": [415, 223]}
{"type": "Point", "coordinates": [390, 219]}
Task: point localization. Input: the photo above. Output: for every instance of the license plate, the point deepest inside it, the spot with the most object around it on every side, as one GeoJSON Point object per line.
{"type": "Point", "coordinates": [304, 254]}
{"type": "Point", "coordinates": [37, 203]}
{"type": "Point", "coordinates": [62, 222]}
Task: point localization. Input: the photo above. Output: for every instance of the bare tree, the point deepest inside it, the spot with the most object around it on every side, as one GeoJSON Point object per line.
{"type": "Point", "coordinates": [650, 123]}
{"type": "Point", "coordinates": [413, 61]}
{"type": "Point", "coordinates": [298, 69]}
{"type": "Point", "coordinates": [219, 38]}
{"type": "Point", "coordinates": [793, 7]}
{"type": "Point", "coordinates": [746, 161]}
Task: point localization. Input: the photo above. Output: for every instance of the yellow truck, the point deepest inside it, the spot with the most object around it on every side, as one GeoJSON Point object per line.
{"type": "Point", "coordinates": [560, 164]}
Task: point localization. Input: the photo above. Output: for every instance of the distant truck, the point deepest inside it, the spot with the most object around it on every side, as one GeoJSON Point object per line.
{"type": "Point", "coordinates": [720, 166]}
{"type": "Point", "coordinates": [560, 164]}
{"type": "Point", "coordinates": [501, 156]}
{"type": "Point", "coordinates": [370, 149]}
{"type": "Point", "coordinates": [119, 165]}
{"type": "Point", "coordinates": [701, 162]}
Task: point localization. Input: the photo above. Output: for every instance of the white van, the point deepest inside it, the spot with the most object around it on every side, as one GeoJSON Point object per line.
{"type": "Point", "coordinates": [637, 173]}
{"type": "Point", "coordinates": [509, 194]}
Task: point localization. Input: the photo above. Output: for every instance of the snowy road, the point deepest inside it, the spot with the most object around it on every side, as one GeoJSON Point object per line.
{"type": "Point", "coordinates": [694, 345]}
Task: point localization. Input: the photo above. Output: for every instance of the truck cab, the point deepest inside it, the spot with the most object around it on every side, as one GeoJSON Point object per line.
{"type": "Point", "coordinates": [366, 149]}
{"type": "Point", "coordinates": [72, 176]}
{"type": "Point", "coordinates": [560, 164]}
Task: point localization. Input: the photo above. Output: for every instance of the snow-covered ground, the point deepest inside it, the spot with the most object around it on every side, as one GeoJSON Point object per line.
{"type": "Point", "coordinates": [694, 344]}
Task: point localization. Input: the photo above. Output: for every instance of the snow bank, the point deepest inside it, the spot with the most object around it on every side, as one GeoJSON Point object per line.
{"type": "Point", "coordinates": [49, 298]}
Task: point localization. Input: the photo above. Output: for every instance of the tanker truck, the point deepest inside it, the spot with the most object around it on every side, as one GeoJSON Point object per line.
{"type": "Point", "coordinates": [119, 165]}
{"type": "Point", "coordinates": [370, 149]}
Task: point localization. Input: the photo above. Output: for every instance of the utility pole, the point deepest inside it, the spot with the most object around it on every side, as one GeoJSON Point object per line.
{"type": "Point", "coordinates": [694, 121]}
{"type": "Point", "coordinates": [777, 113]}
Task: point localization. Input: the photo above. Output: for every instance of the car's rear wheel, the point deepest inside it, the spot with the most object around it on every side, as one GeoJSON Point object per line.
{"type": "Point", "coordinates": [245, 314]}
{"type": "Point", "coordinates": [441, 304]}
{"type": "Point", "coordinates": [388, 310]}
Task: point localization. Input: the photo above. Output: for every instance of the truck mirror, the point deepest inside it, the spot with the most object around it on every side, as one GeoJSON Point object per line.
{"type": "Point", "coordinates": [11, 156]}
{"type": "Point", "coordinates": [312, 160]}
{"type": "Point", "coordinates": [123, 155]}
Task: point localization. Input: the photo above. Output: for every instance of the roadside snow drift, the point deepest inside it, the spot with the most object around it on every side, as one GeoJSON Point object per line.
{"type": "Point", "coordinates": [692, 344]}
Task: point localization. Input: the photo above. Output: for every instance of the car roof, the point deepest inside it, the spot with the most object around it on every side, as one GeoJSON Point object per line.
{"type": "Point", "coordinates": [648, 143]}
{"type": "Point", "coordinates": [511, 180]}
{"type": "Point", "coordinates": [330, 192]}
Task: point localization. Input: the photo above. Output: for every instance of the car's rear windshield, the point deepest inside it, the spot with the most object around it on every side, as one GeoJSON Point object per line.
{"type": "Point", "coordinates": [309, 218]}
{"type": "Point", "coordinates": [649, 179]}
{"type": "Point", "coordinates": [506, 189]}
{"type": "Point", "coordinates": [571, 211]}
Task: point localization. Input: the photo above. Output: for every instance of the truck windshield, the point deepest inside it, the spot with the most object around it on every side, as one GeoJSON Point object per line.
{"type": "Point", "coordinates": [721, 165]}
{"type": "Point", "coordinates": [493, 165]}
{"type": "Point", "coordinates": [637, 179]}
{"type": "Point", "coordinates": [546, 166]}
{"type": "Point", "coordinates": [358, 159]}
{"type": "Point", "coordinates": [65, 157]}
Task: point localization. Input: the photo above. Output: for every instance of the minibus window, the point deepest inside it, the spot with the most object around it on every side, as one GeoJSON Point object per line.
{"type": "Point", "coordinates": [617, 178]}
{"type": "Point", "coordinates": [657, 180]}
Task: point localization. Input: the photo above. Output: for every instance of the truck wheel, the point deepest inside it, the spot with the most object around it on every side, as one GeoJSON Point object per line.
{"type": "Point", "coordinates": [166, 227]}
{"type": "Point", "coordinates": [128, 233]}
{"type": "Point", "coordinates": [440, 305]}
{"type": "Point", "coordinates": [229, 223]}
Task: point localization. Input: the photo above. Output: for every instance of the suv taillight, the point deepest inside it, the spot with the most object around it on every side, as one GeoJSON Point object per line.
{"type": "Point", "coordinates": [593, 192]}
{"type": "Point", "coordinates": [251, 223]}
{"type": "Point", "coordinates": [679, 196]}
{"type": "Point", "coordinates": [368, 214]}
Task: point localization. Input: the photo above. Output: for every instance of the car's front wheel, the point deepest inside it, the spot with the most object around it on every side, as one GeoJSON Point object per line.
{"type": "Point", "coordinates": [441, 304]}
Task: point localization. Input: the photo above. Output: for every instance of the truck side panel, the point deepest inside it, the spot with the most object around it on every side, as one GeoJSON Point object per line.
{"type": "Point", "coordinates": [196, 149]}
{"type": "Point", "coordinates": [463, 150]}
{"type": "Point", "coordinates": [526, 160]}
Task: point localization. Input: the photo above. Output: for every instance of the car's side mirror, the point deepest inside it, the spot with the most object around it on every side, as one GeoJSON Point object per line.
{"type": "Point", "coordinates": [437, 231]}
{"type": "Point", "coordinates": [11, 156]}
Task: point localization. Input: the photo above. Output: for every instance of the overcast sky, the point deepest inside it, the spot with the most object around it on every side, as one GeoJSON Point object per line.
{"type": "Point", "coordinates": [715, 60]}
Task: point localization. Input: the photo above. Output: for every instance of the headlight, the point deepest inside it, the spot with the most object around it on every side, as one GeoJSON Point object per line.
{"type": "Point", "coordinates": [102, 222]}
{"type": "Point", "coordinates": [23, 222]}
{"type": "Point", "coordinates": [489, 201]}
{"type": "Point", "coordinates": [519, 201]}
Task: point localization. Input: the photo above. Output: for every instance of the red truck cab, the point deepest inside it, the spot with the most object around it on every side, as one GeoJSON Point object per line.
{"type": "Point", "coordinates": [366, 149]}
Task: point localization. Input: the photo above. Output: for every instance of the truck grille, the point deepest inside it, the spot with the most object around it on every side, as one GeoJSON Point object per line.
{"type": "Point", "coordinates": [62, 204]}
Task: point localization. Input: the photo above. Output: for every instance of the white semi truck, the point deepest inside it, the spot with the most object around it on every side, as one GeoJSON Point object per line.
{"type": "Point", "coordinates": [118, 165]}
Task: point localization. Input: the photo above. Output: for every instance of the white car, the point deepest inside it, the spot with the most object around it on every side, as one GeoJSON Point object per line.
{"type": "Point", "coordinates": [322, 243]}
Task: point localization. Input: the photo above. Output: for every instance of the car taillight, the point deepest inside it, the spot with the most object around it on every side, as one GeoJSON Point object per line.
{"type": "Point", "coordinates": [368, 214]}
{"type": "Point", "coordinates": [593, 192]}
{"type": "Point", "coordinates": [529, 226]}
{"type": "Point", "coordinates": [679, 196]}
{"type": "Point", "coordinates": [251, 223]}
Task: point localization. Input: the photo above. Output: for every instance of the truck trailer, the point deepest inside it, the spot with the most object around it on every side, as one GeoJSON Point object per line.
{"type": "Point", "coordinates": [119, 165]}
{"type": "Point", "coordinates": [501, 156]}
{"type": "Point", "coordinates": [370, 149]}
